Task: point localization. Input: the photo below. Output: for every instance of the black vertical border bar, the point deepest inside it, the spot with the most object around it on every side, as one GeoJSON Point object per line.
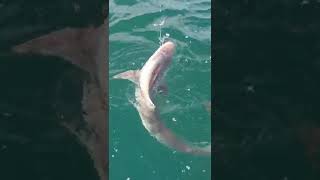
{"type": "Point", "coordinates": [289, 34]}
{"type": "Point", "coordinates": [213, 97]}
{"type": "Point", "coordinates": [106, 11]}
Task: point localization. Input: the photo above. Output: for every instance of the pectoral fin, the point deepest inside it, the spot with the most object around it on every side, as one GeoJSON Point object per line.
{"type": "Point", "coordinates": [131, 75]}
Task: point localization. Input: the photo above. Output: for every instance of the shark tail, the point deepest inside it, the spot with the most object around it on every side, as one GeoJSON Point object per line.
{"type": "Point", "coordinates": [171, 140]}
{"type": "Point", "coordinates": [205, 151]}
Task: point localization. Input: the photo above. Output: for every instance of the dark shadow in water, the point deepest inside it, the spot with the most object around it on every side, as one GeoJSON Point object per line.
{"type": "Point", "coordinates": [33, 144]}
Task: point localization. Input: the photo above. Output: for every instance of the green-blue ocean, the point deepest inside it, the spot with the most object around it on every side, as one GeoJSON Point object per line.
{"type": "Point", "coordinates": [135, 28]}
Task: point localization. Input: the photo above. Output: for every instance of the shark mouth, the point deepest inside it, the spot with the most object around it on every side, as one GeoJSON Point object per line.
{"type": "Point", "coordinates": [155, 77]}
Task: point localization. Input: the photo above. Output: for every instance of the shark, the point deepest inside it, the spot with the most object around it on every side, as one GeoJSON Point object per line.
{"type": "Point", "coordinates": [85, 48]}
{"type": "Point", "coordinates": [149, 81]}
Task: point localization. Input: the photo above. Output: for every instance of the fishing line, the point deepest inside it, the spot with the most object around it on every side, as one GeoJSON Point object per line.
{"type": "Point", "coordinates": [160, 27]}
{"type": "Point", "coordinates": [160, 24]}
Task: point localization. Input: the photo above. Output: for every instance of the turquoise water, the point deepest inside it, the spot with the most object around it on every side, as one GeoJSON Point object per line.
{"type": "Point", "coordinates": [133, 37]}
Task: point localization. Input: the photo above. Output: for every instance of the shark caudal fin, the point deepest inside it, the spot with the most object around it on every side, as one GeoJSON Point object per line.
{"type": "Point", "coordinates": [207, 105]}
{"type": "Point", "coordinates": [131, 75]}
{"type": "Point", "coordinates": [205, 151]}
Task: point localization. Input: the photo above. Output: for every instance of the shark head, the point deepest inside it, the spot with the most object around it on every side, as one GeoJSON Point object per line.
{"type": "Point", "coordinates": [153, 71]}
{"type": "Point", "coordinates": [148, 78]}
{"type": "Point", "coordinates": [167, 49]}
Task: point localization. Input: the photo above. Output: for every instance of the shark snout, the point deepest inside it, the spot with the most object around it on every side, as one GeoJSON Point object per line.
{"type": "Point", "coordinates": [168, 48]}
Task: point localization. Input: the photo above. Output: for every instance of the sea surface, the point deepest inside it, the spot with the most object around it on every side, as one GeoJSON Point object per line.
{"type": "Point", "coordinates": [135, 28]}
